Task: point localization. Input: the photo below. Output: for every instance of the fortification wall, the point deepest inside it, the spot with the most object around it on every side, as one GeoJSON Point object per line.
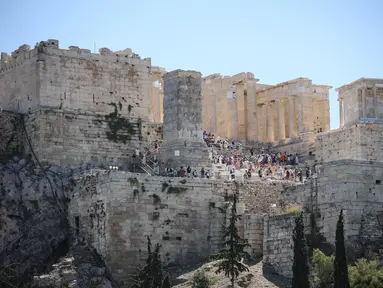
{"type": "Point", "coordinates": [117, 210]}
{"type": "Point", "coordinates": [357, 142]}
{"type": "Point", "coordinates": [75, 79]}
{"type": "Point", "coordinates": [278, 243]}
{"type": "Point", "coordinates": [70, 138]}
{"type": "Point", "coordinates": [253, 231]}
{"type": "Point", "coordinates": [354, 186]}
{"type": "Point", "coordinates": [19, 82]}
{"type": "Point", "coordinates": [10, 135]}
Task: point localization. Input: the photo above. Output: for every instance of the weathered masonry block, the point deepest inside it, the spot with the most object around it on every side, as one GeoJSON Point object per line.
{"type": "Point", "coordinates": [116, 210]}
{"type": "Point", "coordinates": [278, 243]}
{"type": "Point", "coordinates": [70, 138]}
{"type": "Point", "coordinates": [183, 135]}
{"type": "Point", "coordinates": [75, 79]}
{"type": "Point", "coordinates": [354, 186]}
{"type": "Point", "coordinates": [361, 142]}
{"type": "Point", "coordinates": [10, 135]}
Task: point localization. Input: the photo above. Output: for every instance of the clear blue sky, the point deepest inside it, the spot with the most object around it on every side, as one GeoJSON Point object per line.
{"type": "Point", "coordinates": [331, 42]}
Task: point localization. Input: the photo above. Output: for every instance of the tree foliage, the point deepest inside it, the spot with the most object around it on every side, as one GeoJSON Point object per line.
{"type": "Point", "coordinates": [300, 264]}
{"type": "Point", "coordinates": [324, 269]}
{"type": "Point", "coordinates": [233, 248]}
{"type": "Point", "coordinates": [201, 280]}
{"type": "Point", "coordinates": [151, 275]}
{"type": "Point", "coordinates": [340, 262]}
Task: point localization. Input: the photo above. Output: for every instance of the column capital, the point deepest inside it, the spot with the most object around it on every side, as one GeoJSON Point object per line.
{"type": "Point", "coordinates": [261, 104]}
{"type": "Point", "coordinates": [292, 96]}
{"type": "Point", "coordinates": [281, 100]}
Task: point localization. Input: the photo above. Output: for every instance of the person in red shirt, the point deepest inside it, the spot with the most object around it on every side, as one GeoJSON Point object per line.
{"type": "Point", "coordinates": [182, 172]}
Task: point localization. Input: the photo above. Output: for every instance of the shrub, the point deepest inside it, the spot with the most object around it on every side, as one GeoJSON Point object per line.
{"type": "Point", "coordinates": [324, 269]}
{"type": "Point", "coordinates": [366, 274]}
{"type": "Point", "coordinates": [291, 210]}
{"type": "Point", "coordinates": [201, 280]}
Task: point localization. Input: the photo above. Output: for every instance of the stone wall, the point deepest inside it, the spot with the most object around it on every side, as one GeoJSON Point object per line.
{"type": "Point", "coordinates": [253, 232]}
{"type": "Point", "coordinates": [278, 243]}
{"type": "Point", "coordinates": [19, 81]}
{"type": "Point", "coordinates": [357, 142]}
{"type": "Point", "coordinates": [75, 79]}
{"type": "Point", "coordinates": [117, 210]}
{"type": "Point", "coordinates": [11, 135]}
{"type": "Point", "coordinates": [71, 138]}
{"type": "Point", "coordinates": [354, 186]}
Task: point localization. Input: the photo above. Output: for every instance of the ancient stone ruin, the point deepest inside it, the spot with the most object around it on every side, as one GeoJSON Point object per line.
{"type": "Point", "coordinates": [72, 123]}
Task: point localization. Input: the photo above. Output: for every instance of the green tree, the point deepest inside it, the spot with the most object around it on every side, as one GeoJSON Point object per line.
{"type": "Point", "coordinates": [340, 262]}
{"type": "Point", "coordinates": [324, 269]}
{"type": "Point", "coordinates": [233, 248]}
{"type": "Point", "coordinates": [300, 264]}
{"type": "Point", "coordinates": [151, 275]}
{"type": "Point", "coordinates": [366, 274]}
{"type": "Point", "coordinates": [166, 283]}
{"type": "Point", "coordinates": [157, 274]}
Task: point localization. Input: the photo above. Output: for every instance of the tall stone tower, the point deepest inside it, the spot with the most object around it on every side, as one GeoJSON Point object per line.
{"type": "Point", "coordinates": [183, 142]}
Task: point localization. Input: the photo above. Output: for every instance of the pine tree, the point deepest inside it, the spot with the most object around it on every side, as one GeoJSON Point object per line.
{"type": "Point", "coordinates": [232, 248]}
{"type": "Point", "coordinates": [156, 268]}
{"type": "Point", "coordinates": [151, 275]}
{"type": "Point", "coordinates": [340, 262]}
{"type": "Point", "coordinates": [143, 278]}
{"type": "Point", "coordinates": [166, 283]}
{"type": "Point", "coordinates": [300, 265]}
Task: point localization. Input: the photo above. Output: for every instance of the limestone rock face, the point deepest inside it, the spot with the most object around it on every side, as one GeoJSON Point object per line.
{"type": "Point", "coordinates": [78, 269]}
{"type": "Point", "coordinates": [32, 229]}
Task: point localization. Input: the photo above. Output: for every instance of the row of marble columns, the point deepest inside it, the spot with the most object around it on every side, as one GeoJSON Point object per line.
{"type": "Point", "coordinates": [266, 117]}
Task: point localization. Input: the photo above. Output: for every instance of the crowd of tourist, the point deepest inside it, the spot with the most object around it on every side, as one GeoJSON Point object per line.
{"type": "Point", "coordinates": [232, 157]}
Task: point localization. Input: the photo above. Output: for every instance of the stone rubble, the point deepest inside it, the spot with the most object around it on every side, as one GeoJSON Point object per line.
{"type": "Point", "coordinates": [78, 269]}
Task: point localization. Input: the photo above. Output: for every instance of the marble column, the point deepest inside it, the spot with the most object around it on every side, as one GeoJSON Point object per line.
{"type": "Point", "coordinates": [341, 115]}
{"type": "Point", "coordinates": [364, 114]}
{"type": "Point", "coordinates": [375, 102]}
{"type": "Point", "coordinates": [261, 122]}
{"type": "Point", "coordinates": [300, 115]}
{"type": "Point", "coordinates": [252, 113]}
{"type": "Point", "coordinates": [270, 120]}
{"type": "Point", "coordinates": [292, 124]}
{"type": "Point", "coordinates": [281, 119]}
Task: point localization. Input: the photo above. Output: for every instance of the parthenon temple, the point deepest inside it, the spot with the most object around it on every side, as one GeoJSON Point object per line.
{"type": "Point", "coordinates": [239, 107]}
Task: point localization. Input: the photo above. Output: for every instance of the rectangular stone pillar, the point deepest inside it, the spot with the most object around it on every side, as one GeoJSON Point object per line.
{"type": "Point", "coordinates": [364, 102]}
{"type": "Point", "coordinates": [281, 119]}
{"type": "Point", "coordinates": [375, 102]}
{"type": "Point", "coordinates": [270, 122]}
{"type": "Point", "coordinates": [292, 124]}
{"type": "Point", "coordinates": [341, 115]}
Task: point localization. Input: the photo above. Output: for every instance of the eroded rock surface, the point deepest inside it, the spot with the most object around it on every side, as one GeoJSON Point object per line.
{"type": "Point", "coordinates": [78, 269]}
{"type": "Point", "coordinates": [33, 231]}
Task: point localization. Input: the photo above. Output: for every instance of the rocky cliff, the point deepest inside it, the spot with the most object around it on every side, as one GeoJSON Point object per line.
{"type": "Point", "coordinates": [33, 229]}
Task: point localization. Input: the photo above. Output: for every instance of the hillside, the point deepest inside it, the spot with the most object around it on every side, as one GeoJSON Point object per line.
{"type": "Point", "coordinates": [255, 278]}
